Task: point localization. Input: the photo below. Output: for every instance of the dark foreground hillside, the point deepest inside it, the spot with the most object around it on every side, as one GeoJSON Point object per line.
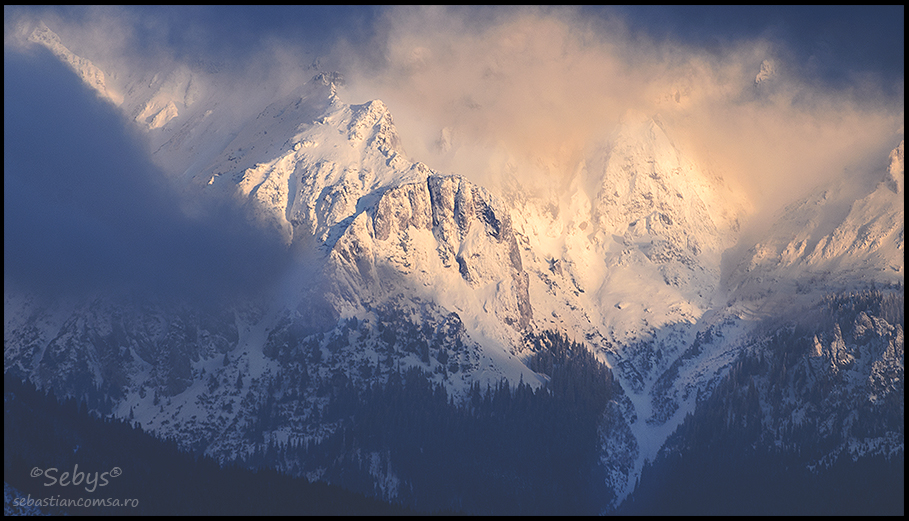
{"type": "Point", "coordinates": [42, 433]}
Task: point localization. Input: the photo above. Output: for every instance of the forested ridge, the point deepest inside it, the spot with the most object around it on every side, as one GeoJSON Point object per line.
{"type": "Point", "coordinates": [40, 431]}
{"type": "Point", "coordinates": [508, 449]}
{"type": "Point", "coordinates": [773, 437]}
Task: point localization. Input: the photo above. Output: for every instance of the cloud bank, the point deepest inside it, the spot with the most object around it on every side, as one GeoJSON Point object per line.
{"type": "Point", "coordinates": [85, 209]}
{"type": "Point", "coordinates": [487, 92]}
{"type": "Point", "coordinates": [469, 85]}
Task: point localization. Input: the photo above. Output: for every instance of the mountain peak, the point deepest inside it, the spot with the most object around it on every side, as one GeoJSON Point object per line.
{"type": "Point", "coordinates": [87, 71]}
{"type": "Point", "coordinates": [372, 121]}
{"type": "Point", "coordinates": [833, 238]}
{"type": "Point", "coordinates": [896, 170]}
{"type": "Point", "coordinates": [334, 78]}
{"type": "Point", "coordinates": [42, 34]}
{"type": "Point", "coordinates": [768, 71]}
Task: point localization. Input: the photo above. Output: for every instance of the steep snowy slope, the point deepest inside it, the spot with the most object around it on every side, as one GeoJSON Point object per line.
{"type": "Point", "coordinates": [839, 238]}
{"type": "Point", "coordinates": [631, 263]}
{"type": "Point", "coordinates": [305, 162]}
{"type": "Point", "coordinates": [151, 100]}
{"type": "Point", "coordinates": [87, 71]}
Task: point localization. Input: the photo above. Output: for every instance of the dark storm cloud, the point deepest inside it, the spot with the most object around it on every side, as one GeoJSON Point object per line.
{"type": "Point", "coordinates": [243, 38]}
{"type": "Point", "coordinates": [230, 32]}
{"type": "Point", "coordinates": [85, 210]}
{"type": "Point", "coordinates": [831, 44]}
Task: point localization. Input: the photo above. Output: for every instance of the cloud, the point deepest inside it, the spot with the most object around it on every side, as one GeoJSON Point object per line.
{"type": "Point", "coordinates": [494, 93]}
{"type": "Point", "coordinates": [522, 80]}
{"type": "Point", "coordinates": [86, 210]}
{"type": "Point", "coordinates": [241, 57]}
{"type": "Point", "coordinates": [475, 88]}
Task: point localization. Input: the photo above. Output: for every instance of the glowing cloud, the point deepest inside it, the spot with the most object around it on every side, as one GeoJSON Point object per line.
{"type": "Point", "coordinates": [542, 85]}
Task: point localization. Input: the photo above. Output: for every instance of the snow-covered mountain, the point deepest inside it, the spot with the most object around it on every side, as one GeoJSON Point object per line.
{"type": "Point", "coordinates": [398, 266]}
{"type": "Point", "coordinates": [838, 237]}
{"type": "Point", "coordinates": [87, 71]}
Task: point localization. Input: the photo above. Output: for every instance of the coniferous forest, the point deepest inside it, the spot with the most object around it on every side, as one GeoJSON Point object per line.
{"type": "Point", "coordinates": [730, 458]}
{"type": "Point", "coordinates": [507, 450]}
{"type": "Point", "coordinates": [510, 449]}
{"type": "Point", "coordinates": [40, 431]}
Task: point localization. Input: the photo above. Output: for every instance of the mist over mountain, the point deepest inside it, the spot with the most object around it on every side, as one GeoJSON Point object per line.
{"type": "Point", "coordinates": [544, 250]}
{"type": "Point", "coordinates": [78, 221]}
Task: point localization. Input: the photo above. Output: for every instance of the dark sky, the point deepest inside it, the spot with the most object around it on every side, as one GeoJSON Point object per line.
{"type": "Point", "coordinates": [84, 208]}
{"type": "Point", "coordinates": [831, 44]}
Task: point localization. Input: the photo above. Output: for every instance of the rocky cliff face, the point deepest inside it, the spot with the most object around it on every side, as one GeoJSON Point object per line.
{"type": "Point", "coordinates": [442, 224]}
